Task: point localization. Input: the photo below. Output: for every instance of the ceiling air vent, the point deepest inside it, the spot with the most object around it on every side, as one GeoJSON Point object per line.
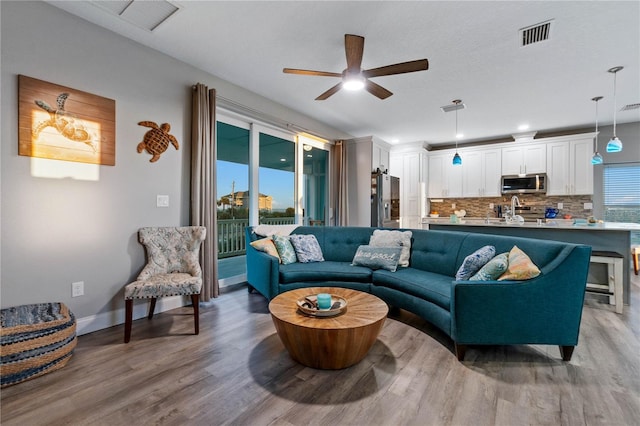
{"type": "Point", "coordinates": [144, 14]}
{"type": "Point", "coordinates": [630, 107]}
{"type": "Point", "coordinates": [535, 33]}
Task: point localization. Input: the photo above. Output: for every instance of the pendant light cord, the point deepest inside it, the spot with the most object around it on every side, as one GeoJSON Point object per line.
{"type": "Point", "coordinates": [615, 75]}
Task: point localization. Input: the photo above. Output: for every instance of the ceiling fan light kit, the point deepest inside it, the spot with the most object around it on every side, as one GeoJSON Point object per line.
{"type": "Point", "coordinates": [614, 144]}
{"type": "Point", "coordinates": [354, 77]}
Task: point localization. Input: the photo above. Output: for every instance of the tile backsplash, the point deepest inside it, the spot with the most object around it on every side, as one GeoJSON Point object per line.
{"type": "Point", "coordinates": [479, 207]}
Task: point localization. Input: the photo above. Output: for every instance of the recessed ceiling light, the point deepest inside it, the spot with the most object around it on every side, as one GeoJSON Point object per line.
{"type": "Point", "coordinates": [283, 159]}
{"type": "Point", "coordinates": [309, 155]}
{"type": "Point", "coordinates": [523, 127]}
{"type": "Point", "coordinates": [460, 135]}
{"type": "Point", "coordinates": [395, 140]}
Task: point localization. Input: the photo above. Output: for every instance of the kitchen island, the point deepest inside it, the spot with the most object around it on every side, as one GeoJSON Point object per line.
{"type": "Point", "coordinates": [608, 236]}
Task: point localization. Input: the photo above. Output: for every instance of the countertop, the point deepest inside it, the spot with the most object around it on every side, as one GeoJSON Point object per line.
{"type": "Point", "coordinates": [548, 224]}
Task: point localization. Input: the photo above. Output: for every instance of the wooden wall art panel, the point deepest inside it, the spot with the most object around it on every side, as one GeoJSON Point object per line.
{"type": "Point", "coordinates": [61, 123]}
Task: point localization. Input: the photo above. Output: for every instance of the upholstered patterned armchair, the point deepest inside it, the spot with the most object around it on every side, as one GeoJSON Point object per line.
{"type": "Point", "coordinates": [172, 269]}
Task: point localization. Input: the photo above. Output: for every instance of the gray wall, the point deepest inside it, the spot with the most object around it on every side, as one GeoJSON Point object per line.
{"type": "Point", "coordinates": [629, 134]}
{"type": "Point", "coordinates": [55, 231]}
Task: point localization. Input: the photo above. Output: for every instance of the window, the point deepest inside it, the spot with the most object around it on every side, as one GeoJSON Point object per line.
{"type": "Point", "coordinates": [622, 194]}
{"type": "Point", "coordinates": [276, 203]}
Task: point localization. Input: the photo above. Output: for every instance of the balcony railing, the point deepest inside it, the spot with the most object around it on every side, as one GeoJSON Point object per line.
{"type": "Point", "coordinates": [231, 239]}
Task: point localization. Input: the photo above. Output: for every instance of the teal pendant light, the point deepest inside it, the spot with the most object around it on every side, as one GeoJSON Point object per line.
{"type": "Point", "coordinates": [457, 160]}
{"type": "Point", "coordinates": [615, 144]}
{"type": "Point", "coordinates": [597, 158]}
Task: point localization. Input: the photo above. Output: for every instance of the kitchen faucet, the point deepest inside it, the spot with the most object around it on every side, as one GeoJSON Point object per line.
{"type": "Point", "coordinates": [513, 217]}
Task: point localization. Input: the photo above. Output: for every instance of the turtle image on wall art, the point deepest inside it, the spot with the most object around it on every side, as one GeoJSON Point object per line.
{"type": "Point", "coordinates": [157, 140]}
{"type": "Point", "coordinates": [61, 123]}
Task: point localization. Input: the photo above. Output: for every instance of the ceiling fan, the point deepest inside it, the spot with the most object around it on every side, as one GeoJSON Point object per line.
{"type": "Point", "coordinates": [354, 77]}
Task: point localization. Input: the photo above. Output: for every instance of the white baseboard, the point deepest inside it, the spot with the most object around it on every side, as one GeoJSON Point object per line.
{"type": "Point", "coordinates": [109, 319]}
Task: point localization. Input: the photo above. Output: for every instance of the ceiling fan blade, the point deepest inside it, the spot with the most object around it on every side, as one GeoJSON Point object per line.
{"type": "Point", "coordinates": [401, 68]}
{"type": "Point", "coordinates": [354, 48]}
{"type": "Point", "coordinates": [377, 90]}
{"type": "Point", "coordinates": [311, 72]}
{"type": "Point", "coordinates": [329, 92]}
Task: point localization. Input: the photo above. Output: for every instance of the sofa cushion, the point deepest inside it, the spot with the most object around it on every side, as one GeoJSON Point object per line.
{"type": "Point", "coordinates": [384, 238]}
{"type": "Point", "coordinates": [285, 249]}
{"type": "Point", "coordinates": [437, 251]}
{"type": "Point", "coordinates": [429, 286]}
{"type": "Point", "coordinates": [323, 271]}
{"type": "Point", "coordinates": [520, 266]}
{"type": "Point", "coordinates": [307, 248]}
{"type": "Point", "coordinates": [476, 260]}
{"type": "Point", "coordinates": [338, 243]}
{"type": "Point", "coordinates": [378, 257]}
{"type": "Point", "coordinates": [493, 269]}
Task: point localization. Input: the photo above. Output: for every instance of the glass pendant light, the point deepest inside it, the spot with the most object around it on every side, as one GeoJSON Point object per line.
{"type": "Point", "coordinates": [614, 145]}
{"type": "Point", "coordinates": [457, 160]}
{"type": "Point", "coordinates": [597, 158]}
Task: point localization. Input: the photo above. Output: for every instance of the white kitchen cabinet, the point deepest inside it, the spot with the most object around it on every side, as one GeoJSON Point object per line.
{"type": "Point", "coordinates": [410, 166]}
{"type": "Point", "coordinates": [524, 159]}
{"type": "Point", "coordinates": [569, 168]}
{"type": "Point", "coordinates": [445, 179]}
{"type": "Point", "coordinates": [481, 172]}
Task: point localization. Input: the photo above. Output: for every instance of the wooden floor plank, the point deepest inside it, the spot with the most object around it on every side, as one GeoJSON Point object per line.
{"type": "Point", "coordinates": [236, 372]}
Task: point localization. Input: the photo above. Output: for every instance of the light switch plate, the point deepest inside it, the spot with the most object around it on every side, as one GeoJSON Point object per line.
{"type": "Point", "coordinates": [588, 206]}
{"type": "Point", "coordinates": [162, 201]}
{"type": "Point", "coordinates": [560, 206]}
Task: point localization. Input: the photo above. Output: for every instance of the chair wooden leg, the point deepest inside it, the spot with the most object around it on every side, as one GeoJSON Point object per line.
{"type": "Point", "coordinates": [152, 307]}
{"type": "Point", "coordinates": [566, 352]}
{"type": "Point", "coordinates": [635, 255]}
{"type": "Point", "coordinates": [195, 300]}
{"type": "Point", "coordinates": [128, 319]}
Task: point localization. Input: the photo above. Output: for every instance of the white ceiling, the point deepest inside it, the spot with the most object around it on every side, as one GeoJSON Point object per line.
{"type": "Point", "coordinates": [472, 48]}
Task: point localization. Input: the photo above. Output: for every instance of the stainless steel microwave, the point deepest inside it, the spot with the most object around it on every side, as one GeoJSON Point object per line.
{"type": "Point", "coordinates": [528, 184]}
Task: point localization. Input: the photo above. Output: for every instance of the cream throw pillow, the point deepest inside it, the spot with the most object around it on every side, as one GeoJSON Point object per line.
{"type": "Point", "coordinates": [383, 238]}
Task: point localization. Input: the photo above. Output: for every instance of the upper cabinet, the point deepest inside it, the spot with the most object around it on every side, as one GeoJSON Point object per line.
{"type": "Point", "coordinates": [445, 179]}
{"type": "Point", "coordinates": [481, 172]}
{"type": "Point", "coordinates": [569, 168]}
{"type": "Point", "coordinates": [524, 159]}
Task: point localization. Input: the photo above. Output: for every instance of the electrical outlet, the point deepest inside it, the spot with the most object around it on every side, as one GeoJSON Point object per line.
{"type": "Point", "coordinates": [491, 205]}
{"type": "Point", "coordinates": [453, 206]}
{"type": "Point", "coordinates": [588, 206]}
{"type": "Point", "coordinates": [560, 206]}
{"type": "Point", "coordinates": [77, 289]}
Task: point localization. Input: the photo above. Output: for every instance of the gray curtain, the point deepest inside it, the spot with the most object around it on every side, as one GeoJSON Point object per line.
{"type": "Point", "coordinates": [341, 197]}
{"type": "Point", "coordinates": [203, 188]}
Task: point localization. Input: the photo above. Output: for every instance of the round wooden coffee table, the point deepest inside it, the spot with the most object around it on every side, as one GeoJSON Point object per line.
{"type": "Point", "coordinates": [328, 343]}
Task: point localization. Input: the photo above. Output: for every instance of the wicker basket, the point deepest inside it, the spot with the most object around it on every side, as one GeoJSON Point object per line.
{"type": "Point", "coordinates": [35, 340]}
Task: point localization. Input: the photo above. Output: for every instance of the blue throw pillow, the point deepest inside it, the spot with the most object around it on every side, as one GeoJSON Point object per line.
{"type": "Point", "coordinates": [493, 269]}
{"type": "Point", "coordinates": [476, 260]}
{"type": "Point", "coordinates": [307, 248]}
{"type": "Point", "coordinates": [378, 257]}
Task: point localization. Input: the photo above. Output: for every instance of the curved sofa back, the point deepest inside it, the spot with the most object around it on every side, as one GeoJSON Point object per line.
{"type": "Point", "coordinates": [440, 252]}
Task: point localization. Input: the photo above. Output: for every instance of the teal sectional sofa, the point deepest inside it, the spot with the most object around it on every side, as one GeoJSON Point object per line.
{"type": "Point", "coordinates": [543, 310]}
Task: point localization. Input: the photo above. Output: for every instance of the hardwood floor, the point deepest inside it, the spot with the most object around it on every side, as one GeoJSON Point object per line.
{"type": "Point", "coordinates": [237, 372]}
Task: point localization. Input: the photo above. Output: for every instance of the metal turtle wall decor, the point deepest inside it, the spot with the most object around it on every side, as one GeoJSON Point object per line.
{"type": "Point", "coordinates": [157, 140]}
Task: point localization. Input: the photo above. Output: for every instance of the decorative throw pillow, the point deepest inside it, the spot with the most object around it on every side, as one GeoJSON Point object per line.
{"type": "Point", "coordinates": [378, 257]}
{"type": "Point", "coordinates": [307, 248]}
{"type": "Point", "coordinates": [285, 249]}
{"type": "Point", "coordinates": [382, 238]}
{"type": "Point", "coordinates": [520, 266]}
{"type": "Point", "coordinates": [266, 245]}
{"type": "Point", "coordinates": [493, 269]}
{"type": "Point", "coordinates": [476, 260]}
